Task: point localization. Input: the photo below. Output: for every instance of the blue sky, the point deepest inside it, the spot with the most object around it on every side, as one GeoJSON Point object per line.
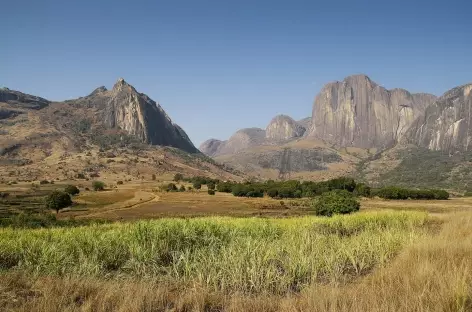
{"type": "Point", "coordinates": [218, 66]}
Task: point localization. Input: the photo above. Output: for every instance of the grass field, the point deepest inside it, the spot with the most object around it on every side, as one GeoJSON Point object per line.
{"type": "Point", "coordinates": [391, 256]}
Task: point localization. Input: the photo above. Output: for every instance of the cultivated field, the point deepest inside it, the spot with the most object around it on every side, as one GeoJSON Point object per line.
{"type": "Point", "coordinates": [235, 254]}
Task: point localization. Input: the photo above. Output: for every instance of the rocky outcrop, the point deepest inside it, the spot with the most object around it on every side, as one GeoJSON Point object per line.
{"type": "Point", "coordinates": [283, 128]}
{"type": "Point", "coordinates": [446, 124]}
{"type": "Point", "coordinates": [126, 109]}
{"type": "Point", "coordinates": [358, 112]}
{"type": "Point", "coordinates": [242, 139]}
{"type": "Point", "coordinates": [22, 100]}
{"type": "Point", "coordinates": [210, 147]}
{"type": "Point", "coordinates": [305, 123]}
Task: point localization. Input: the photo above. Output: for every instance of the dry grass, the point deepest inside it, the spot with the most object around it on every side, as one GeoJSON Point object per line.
{"type": "Point", "coordinates": [433, 274]}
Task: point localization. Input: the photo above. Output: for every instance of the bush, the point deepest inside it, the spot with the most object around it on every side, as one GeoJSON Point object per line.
{"type": "Point", "coordinates": [119, 183]}
{"type": "Point", "coordinates": [98, 185]}
{"type": "Point", "coordinates": [178, 177]}
{"type": "Point", "coordinates": [72, 190]}
{"type": "Point", "coordinates": [392, 192]}
{"type": "Point", "coordinates": [58, 200]}
{"type": "Point", "coordinates": [336, 202]}
{"type": "Point", "coordinates": [211, 192]}
{"type": "Point", "coordinates": [171, 187]}
{"type": "Point", "coordinates": [43, 182]}
{"type": "Point", "coordinates": [182, 188]}
{"type": "Point", "coordinates": [211, 186]}
{"type": "Point", "coordinates": [153, 177]}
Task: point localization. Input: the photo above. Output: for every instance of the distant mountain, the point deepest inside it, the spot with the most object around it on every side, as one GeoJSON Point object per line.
{"type": "Point", "coordinates": [358, 112]}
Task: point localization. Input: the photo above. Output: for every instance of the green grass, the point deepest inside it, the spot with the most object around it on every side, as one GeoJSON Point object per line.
{"type": "Point", "coordinates": [224, 254]}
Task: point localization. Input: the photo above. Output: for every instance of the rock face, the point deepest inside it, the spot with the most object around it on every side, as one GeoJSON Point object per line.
{"type": "Point", "coordinates": [210, 147]}
{"type": "Point", "coordinates": [305, 123]}
{"type": "Point", "coordinates": [446, 124]}
{"type": "Point", "coordinates": [22, 100]}
{"type": "Point", "coordinates": [283, 128]}
{"type": "Point", "coordinates": [358, 112]}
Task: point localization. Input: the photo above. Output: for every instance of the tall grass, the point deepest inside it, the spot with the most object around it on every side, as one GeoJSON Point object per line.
{"type": "Point", "coordinates": [221, 254]}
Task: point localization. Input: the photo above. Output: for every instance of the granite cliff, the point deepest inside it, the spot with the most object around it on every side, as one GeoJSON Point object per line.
{"type": "Point", "coordinates": [357, 112]}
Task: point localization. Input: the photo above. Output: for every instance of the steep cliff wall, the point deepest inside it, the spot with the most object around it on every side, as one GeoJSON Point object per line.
{"type": "Point", "coordinates": [358, 112]}
{"type": "Point", "coordinates": [446, 124]}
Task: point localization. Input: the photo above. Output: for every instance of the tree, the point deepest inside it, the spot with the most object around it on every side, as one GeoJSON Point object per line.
{"type": "Point", "coordinates": [197, 185]}
{"type": "Point", "coordinates": [178, 177]}
{"type": "Point", "coordinates": [211, 185]}
{"type": "Point", "coordinates": [98, 185]}
{"type": "Point", "coordinates": [362, 190]}
{"type": "Point", "coordinates": [71, 190]}
{"type": "Point", "coordinates": [58, 200]}
{"type": "Point", "coordinates": [211, 192]}
{"type": "Point", "coordinates": [336, 202]}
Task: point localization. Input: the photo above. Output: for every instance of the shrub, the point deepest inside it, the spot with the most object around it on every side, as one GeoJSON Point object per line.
{"type": "Point", "coordinates": [182, 188]}
{"type": "Point", "coordinates": [178, 177]}
{"type": "Point", "coordinates": [272, 193]}
{"type": "Point", "coordinates": [71, 190]}
{"type": "Point", "coordinates": [254, 194]}
{"type": "Point", "coordinates": [224, 187]}
{"type": "Point", "coordinates": [153, 177]}
{"type": "Point", "coordinates": [98, 185]}
{"type": "Point", "coordinates": [58, 200]}
{"type": "Point", "coordinates": [171, 187]}
{"type": "Point", "coordinates": [211, 192]}
{"type": "Point", "coordinates": [119, 182]}
{"type": "Point", "coordinates": [336, 202]}
{"type": "Point", "coordinates": [43, 182]}
{"type": "Point", "coordinates": [211, 186]}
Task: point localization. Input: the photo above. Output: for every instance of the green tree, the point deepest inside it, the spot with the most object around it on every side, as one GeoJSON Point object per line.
{"type": "Point", "coordinates": [336, 202]}
{"type": "Point", "coordinates": [71, 190]}
{"type": "Point", "coordinates": [58, 200]}
{"type": "Point", "coordinates": [211, 185]}
{"type": "Point", "coordinates": [98, 185]}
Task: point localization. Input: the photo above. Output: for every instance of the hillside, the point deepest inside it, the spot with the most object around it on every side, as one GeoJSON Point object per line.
{"type": "Point", "coordinates": [115, 134]}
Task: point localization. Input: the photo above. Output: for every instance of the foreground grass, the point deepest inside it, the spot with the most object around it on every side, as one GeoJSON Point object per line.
{"type": "Point", "coordinates": [227, 255]}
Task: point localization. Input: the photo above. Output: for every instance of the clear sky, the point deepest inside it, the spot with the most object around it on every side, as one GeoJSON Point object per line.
{"type": "Point", "coordinates": [218, 66]}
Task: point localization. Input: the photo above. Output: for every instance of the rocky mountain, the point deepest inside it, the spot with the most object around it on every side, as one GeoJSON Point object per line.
{"type": "Point", "coordinates": [360, 113]}
{"type": "Point", "coordinates": [135, 113]}
{"type": "Point", "coordinates": [283, 128]}
{"type": "Point", "coordinates": [446, 125]}
{"type": "Point", "coordinates": [115, 132]}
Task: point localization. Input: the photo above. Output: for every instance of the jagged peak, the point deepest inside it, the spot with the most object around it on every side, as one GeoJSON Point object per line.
{"type": "Point", "coordinates": [98, 90]}
{"type": "Point", "coordinates": [121, 83]}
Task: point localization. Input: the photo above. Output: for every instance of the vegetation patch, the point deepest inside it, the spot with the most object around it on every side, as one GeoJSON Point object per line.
{"type": "Point", "coordinates": [223, 254]}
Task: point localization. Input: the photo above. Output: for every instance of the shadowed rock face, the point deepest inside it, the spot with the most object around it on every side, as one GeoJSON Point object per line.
{"type": "Point", "coordinates": [283, 128]}
{"type": "Point", "coordinates": [446, 124]}
{"type": "Point", "coordinates": [210, 147]}
{"type": "Point", "coordinates": [358, 112]}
